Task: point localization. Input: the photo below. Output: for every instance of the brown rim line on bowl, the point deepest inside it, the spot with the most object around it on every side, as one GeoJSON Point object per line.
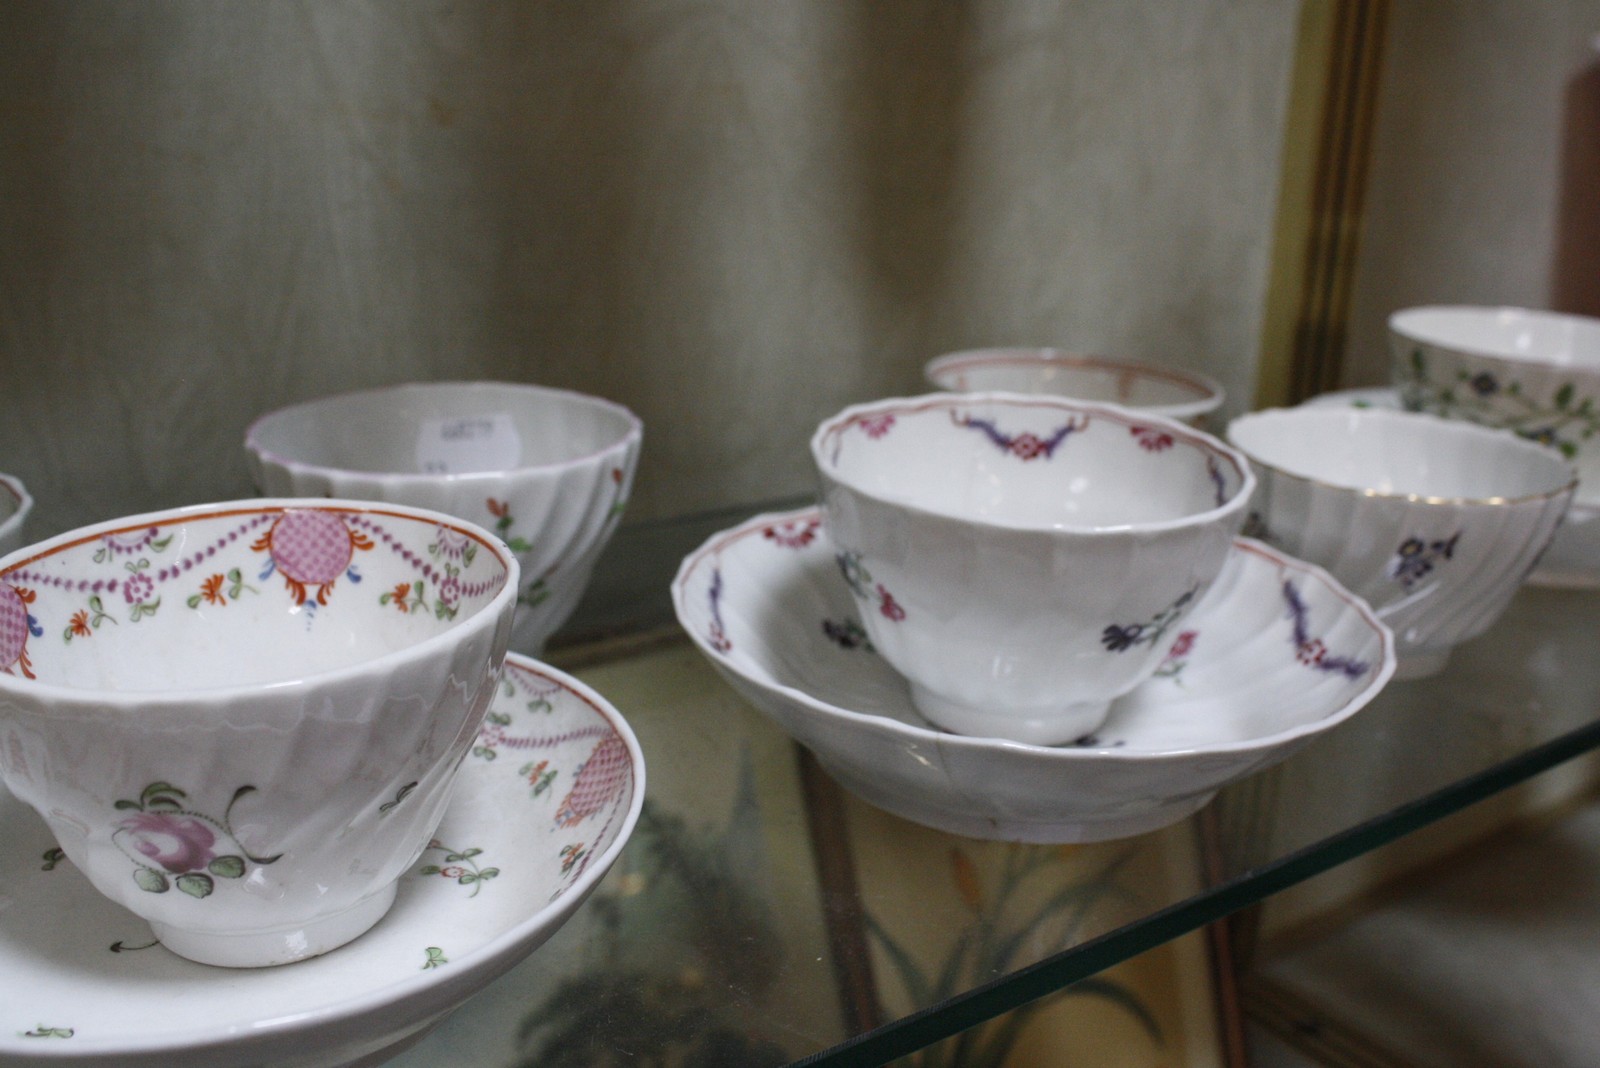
{"type": "Point", "coordinates": [1206, 393]}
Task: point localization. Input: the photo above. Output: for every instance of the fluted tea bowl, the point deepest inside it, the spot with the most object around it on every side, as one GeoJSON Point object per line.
{"type": "Point", "coordinates": [548, 470]}
{"type": "Point", "coordinates": [243, 721]}
{"type": "Point", "coordinates": [1019, 559]}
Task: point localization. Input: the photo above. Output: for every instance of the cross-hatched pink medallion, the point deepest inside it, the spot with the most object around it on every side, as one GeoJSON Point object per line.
{"type": "Point", "coordinates": [13, 627]}
{"type": "Point", "coordinates": [601, 778]}
{"type": "Point", "coordinates": [311, 547]}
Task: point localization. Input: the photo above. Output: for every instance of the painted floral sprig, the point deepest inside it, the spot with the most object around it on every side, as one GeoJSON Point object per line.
{"type": "Point", "coordinates": [176, 846]}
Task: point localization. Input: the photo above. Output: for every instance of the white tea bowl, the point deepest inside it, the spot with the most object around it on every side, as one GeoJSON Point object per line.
{"type": "Point", "coordinates": [15, 504]}
{"type": "Point", "coordinates": [1533, 372]}
{"type": "Point", "coordinates": [1020, 559]}
{"type": "Point", "coordinates": [1435, 523]}
{"type": "Point", "coordinates": [1171, 392]}
{"type": "Point", "coordinates": [242, 721]}
{"type": "Point", "coordinates": [548, 470]}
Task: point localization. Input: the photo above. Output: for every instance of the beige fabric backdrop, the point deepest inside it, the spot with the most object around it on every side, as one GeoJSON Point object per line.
{"type": "Point", "coordinates": [1485, 183]}
{"type": "Point", "coordinates": [734, 217]}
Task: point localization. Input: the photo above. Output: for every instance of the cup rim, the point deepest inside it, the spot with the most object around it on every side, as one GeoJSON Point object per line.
{"type": "Point", "coordinates": [633, 433]}
{"type": "Point", "coordinates": [1209, 392]}
{"type": "Point", "coordinates": [1446, 426]}
{"type": "Point", "coordinates": [1402, 324]}
{"type": "Point", "coordinates": [114, 701]}
{"type": "Point", "coordinates": [1210, 445]}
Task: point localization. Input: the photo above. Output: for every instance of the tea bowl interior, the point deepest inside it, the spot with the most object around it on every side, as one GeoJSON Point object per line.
{"type": "Point", "coordinates": [953, 455]}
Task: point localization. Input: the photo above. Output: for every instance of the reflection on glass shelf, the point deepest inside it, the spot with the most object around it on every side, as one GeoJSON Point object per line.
{"type": "Point", "coordinates": [761, 916]}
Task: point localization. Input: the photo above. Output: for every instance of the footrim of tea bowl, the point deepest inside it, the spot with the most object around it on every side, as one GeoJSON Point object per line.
{"type": "Point", "coordinates": [1049, 725]}
{"type": "Point", "coordinates": [284, 946]}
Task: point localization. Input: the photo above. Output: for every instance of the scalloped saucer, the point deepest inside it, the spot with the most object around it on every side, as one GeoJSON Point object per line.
{"type": "Point", "coordinates": [1276, 654]}
{"type": "Point", "coordinates": [544, 804]}
{"type": "Point", "coordinates": [1572, 560]}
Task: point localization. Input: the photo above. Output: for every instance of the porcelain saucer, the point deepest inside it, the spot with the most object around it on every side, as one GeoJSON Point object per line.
{"type": "Point", "coordinates": [1572, 560]}
{"type": "Point", "coordinates": [545, 802]}
{"type": "Point", "coordinates": [1276, 654]}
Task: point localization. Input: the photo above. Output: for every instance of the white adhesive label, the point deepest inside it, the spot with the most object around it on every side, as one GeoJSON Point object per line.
{"type": "Point", "coordinates": [467, 444]}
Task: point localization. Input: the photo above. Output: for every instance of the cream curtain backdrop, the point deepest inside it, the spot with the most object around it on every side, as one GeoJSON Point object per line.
{"type": "Point", "coordinates": [733, 217]}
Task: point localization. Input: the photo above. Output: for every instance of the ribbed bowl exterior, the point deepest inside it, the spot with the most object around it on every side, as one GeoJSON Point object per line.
{"type": "Point", "coordinates": [256, 798]}
{"type": "Point", "coordinates": [556, 517]}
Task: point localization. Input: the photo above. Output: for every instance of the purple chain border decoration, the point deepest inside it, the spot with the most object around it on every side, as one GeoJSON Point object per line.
{"type": "Point", "coordinates": [166, 574]}
{"type": "Point", "coordinates": [468, 589]}
{"type": "Point", "coordinates": [1024, 446]}
{"type": "Point", "coordinates": [1310, 650]}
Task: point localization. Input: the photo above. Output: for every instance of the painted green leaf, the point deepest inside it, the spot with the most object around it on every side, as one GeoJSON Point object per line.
{"type": "Point", "coordinates": [160, 788]}
{"type": "Point", "coordinates": [194, 601]}
{"type": "Point", "coordinates": [151, 880]}
{"type": "Point", "coordinates": [195, 884]}
{"type": "Point", "coordinates": [429, 869]}
{"type": "Point", "coordinates": [228, 867]}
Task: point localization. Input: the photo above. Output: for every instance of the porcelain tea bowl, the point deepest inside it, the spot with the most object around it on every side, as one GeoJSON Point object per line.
{"type": "Point", "coordinates": [548, 470]}
{"type": "Point", "coordinates": [15, 504]}
{"type": "Point", "coordinates": [1533, 372]}
{"type": "Point", "coordinates": [1022, 560]}
{"type": "Point", "coordinates": [1435, 523]}
{"type": "Point", "coordinates": [242, 721]}
{"type": "Point", "coordinates": [1177, 394]}
{"type": "Point", "coordinates": [1276, 655]}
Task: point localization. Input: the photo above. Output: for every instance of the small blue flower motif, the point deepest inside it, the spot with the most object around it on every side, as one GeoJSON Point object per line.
{"type": "Point", "coordinates": [1484, 384]}
{"type": "Point", "coordinates": [1120, 639]}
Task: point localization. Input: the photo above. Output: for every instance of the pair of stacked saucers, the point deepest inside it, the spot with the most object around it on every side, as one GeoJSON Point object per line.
{"type": "Point", "coordinates": [270, 767]}
{"type": "Point", "coordinates": [1102, 656]}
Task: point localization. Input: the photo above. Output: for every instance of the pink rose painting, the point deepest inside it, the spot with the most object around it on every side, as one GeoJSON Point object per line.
{"type": "Point", "coordinates": [176, 842]}
{"type": "Point", "coordinates": [172, 845]}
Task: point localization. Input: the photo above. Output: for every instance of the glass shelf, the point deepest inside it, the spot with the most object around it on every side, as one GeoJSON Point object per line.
{"type": "Point", "coordinates": [763, 916]}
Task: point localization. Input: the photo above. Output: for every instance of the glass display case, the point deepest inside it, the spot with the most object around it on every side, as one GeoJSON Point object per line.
{"type": "Point", "coordinates": [761, 909]}
{"type": "Point", "coordinates": [735, 221]}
